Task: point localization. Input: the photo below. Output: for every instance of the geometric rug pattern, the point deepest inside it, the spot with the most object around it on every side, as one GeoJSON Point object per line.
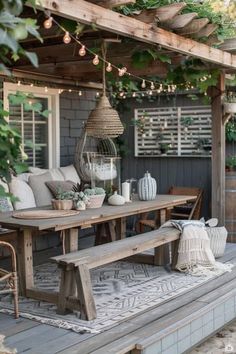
{"type": "Point", "coordinates": [121, 290]}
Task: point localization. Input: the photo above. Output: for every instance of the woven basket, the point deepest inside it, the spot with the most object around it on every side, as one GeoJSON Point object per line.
{"type": "Point", "coordinates": [217, 236]}
{"type": "Point", "coordinates": [96, 201]}
{"type": "Point", "coordinates": [62, 204]}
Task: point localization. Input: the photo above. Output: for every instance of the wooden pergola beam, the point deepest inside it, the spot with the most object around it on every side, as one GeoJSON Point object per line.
{"type": "Point", "coordinates": [109, 20]}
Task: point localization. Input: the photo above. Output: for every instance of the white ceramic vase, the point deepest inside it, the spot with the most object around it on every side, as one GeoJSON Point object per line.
{"type": "Point", "coordinates": [116, 199]}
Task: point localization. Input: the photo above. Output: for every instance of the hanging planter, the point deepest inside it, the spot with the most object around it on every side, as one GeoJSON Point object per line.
{"type": "Point", "coordinates": [230, 107]}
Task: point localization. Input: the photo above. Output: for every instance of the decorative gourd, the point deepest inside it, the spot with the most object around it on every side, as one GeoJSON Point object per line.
{"type": "Point", "coordinates": [116, 199]}
{"type": "Point", "coordinates": [147, 187]}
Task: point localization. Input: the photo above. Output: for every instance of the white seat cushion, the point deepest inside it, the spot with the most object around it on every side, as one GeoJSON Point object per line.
{"type": "Point", "coordinates": [23, 192]}
{"type": "Point", "coordinates": [70, 174]}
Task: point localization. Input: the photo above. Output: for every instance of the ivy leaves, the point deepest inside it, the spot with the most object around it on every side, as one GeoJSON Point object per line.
{"type": "Point", "coordinates": [12, 30]}
{"type": "Point", "coordinates": [143, 58]}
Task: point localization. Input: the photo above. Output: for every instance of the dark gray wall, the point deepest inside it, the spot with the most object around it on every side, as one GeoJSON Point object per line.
{"type": "Point", "coordinates": [74, 111]}
{"type": "Point", "coordinates": [178, 171]}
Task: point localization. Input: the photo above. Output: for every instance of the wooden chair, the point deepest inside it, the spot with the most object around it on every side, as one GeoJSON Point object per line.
{"type": "Point", "coordinates": [191, 210]}
{"type": "Point", "coordinates": [10, 277]}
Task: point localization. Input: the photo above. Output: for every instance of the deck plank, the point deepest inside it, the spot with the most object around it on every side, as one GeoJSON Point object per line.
{"type": "Point", "coordinates": [34, 338]}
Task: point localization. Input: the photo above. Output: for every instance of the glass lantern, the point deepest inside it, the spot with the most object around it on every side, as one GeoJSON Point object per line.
{"type": "Point", "coordinates": [105, 173]}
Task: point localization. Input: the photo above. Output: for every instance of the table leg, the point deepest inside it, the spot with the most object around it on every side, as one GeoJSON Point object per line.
{"type": "Point", "coordinates": [121, 228]}
{"type": "Point", "coordinates": [162, 253]}
{"type": "Point", "coordinates": [25, 261]}
{"type": "Point", "coordinates": [71, 240]}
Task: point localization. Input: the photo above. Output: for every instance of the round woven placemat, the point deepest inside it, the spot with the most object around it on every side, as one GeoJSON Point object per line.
{"type": "Point", "coordinates": [44, 214]}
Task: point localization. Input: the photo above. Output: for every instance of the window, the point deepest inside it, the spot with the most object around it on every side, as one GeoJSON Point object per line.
{"type": "Point", "coordinates": [42, 133]}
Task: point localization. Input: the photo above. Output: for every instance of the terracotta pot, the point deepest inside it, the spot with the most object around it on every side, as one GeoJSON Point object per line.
{"type": "Point", "coordinates": [59, 204]}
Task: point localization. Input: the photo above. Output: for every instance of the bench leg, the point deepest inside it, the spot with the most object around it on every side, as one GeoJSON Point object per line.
{"type": "Point", "coordinates": [162, 255]}
{"type": "Point", "coordinates": [71, 240]}
{"type": "Point", "coordinates": [174, 253]}
{"type": "Point", "coordinates": [121, 228]}
{"type": "Point", "coordinates": [67, 288]}
{"type": "Point", "coordinates": [85, 293]}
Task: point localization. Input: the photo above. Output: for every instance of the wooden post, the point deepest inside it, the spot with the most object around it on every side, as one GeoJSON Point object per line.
{"type": "Point", "coordinates": [218, 151]}
{"type": "Point", "coordinates": [121, 228]}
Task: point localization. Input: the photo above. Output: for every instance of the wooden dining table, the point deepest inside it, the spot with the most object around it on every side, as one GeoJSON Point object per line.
{"type": "Point", "coordinates": [70, 225]}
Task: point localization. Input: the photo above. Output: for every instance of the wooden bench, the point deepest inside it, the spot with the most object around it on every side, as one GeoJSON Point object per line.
{"type": "Point", "coordinates": [75, 290]}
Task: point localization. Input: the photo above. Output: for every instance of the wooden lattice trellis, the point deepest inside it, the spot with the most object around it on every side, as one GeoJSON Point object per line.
{"type": "Point", "coordinates": [186, 131]}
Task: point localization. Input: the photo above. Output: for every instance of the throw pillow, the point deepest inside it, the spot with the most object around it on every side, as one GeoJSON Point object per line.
{"type": "Point", "coordinates": [41, 192]}
{"type": "Point", "coordinates": [23, 192]}
{"type": "Point", "coordinates": [70, 174]}
{"type": "Point", "coordinates": [64, 186]}
{"type": "Point", "coordinates": [56, 174]}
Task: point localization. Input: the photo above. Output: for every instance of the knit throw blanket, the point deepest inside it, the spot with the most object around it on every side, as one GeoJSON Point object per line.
{"type": "Point", "coordinates": [194, 252]}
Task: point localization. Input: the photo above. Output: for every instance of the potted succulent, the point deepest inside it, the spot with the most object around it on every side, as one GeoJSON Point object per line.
{"type": "Point", "coordinates": [96, 197]}
{"type": "Point", "coordinates": [230, 163]}
{"type": "Point", "coordinates": [164, 147]}
{"type": "Point", "coordinates": [63, 200]}
{"type": "Point", "coordinates": [81, 200]}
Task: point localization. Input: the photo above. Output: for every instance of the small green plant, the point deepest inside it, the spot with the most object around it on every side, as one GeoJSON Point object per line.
{"type": "Point", "coordinates": [62, 195]}
{"type": "Point", "coordinates": [94, 191]}
{"type": "Point", "coordinates": [230, 162]}
{"type": "Point", "coordinates": [202, 143]}
{"type": "Point", "coordinates": [230, 130]}
{"type": "Point", "coordinates": [164, 147]}
{"type": "Point", "coordinates": [187, 121]}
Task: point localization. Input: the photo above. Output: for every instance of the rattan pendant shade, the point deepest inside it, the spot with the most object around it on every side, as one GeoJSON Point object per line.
{"type": "Point", "coordinates": [104, 121]}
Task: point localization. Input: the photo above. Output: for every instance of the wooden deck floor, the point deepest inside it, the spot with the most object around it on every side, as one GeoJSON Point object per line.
{"type": "Point", "coordinates": [171, 328]}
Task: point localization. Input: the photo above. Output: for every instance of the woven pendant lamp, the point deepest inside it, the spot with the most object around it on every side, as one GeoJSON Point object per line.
{"type": "Point", "coordinates": [104, 121]}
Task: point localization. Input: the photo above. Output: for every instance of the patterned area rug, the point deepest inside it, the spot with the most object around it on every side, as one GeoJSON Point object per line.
{"type": "Point", "coordinates": [121, 290]}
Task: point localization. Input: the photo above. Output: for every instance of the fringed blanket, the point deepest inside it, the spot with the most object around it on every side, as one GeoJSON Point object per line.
{"type": "Point", "coordinates": [194, 253]}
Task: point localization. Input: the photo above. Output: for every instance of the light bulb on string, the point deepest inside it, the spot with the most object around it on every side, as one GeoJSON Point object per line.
{"type": "Point", "coordinates": [80, 93]}
{"type": "Point", "coordinates": [48, 23]}
{"type": "Point", "coordinates": [150, 93]}
{"type": "Point", "coordinates": [67, 38]}
{"type": "Point", "coordinates": [152, 86]}
{"type": "Point", "coordinates": [45, 89]}
{"type": "Point", "coordinates": [31, 85]}
{"type": "Point", "coordinates": [82, 51]}
{"type": "Point", "coordinates": [97, 94]}
{"type": "Point", "coordinates": [18, 83]}
{"type": "Point", "coordinates": [109, 68]}
{"type": "Point", "coordinates": [60, 91]}
{"type": "Point", "coordinates": [143, 84]}
{"type": "Point", "coordinates": [121, 94]}
{"type": "Point", "coordinates": [121, 72]}
{"type": "Point", "coordinates": [134, 94]}
{"type": "Point", "coordinates": [96, 60]}
{"type": "Point", "coordinates": [70, 90]}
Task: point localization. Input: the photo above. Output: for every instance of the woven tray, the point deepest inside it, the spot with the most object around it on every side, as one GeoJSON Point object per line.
{"type": "Point", "coordinates": [44, 214]}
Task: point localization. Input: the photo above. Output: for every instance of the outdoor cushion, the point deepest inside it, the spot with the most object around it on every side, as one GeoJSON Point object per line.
{"type": "Point", "coordinates": [63, 186]}
{"type": "Point", "coordinates": [23, 192]}
{"type": "Point", "coordinates": [54, 172]}
{"type": "Point", "coordinates": [41, 192]}
{"type": "Point", "coordinates": [70, 174]}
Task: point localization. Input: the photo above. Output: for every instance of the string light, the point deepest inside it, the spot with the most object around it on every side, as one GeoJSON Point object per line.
{"type": "Point", "coordinates": [31, 85]}
{"type": "Point", "coordinates": [82, 51]}
{"type": "Point", "coordinates": [143, 84]}
{"type": "Point", "coordinates": [45, 89]}
{"type": "Point", "coordinates": [18, 83]}
{"type": "Point", "coordinates": [109, 68]}
{"type": "Point", "coordinates": [48, 23]}
{"type": "Point", "coordinates": [97, 94]}
{"type": "Point", "coordinates": [121, 72]}
{"type": "Point", "coordinates": [67, 38]}
{"type": "Point", "coordinates": [70, 90]}
{"type": "Point", "coordinates": [96, 60]}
